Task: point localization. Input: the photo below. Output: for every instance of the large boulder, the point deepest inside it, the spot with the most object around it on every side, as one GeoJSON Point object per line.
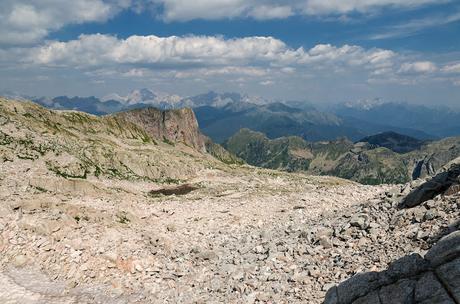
{"type": "Point", "coordinates": [411, 279]}
{"type": "Point", "coordinates": [445, 182]}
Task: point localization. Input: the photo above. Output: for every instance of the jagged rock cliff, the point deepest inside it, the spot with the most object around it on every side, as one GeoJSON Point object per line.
{"type": "Point", "coordinates": [169, 125]}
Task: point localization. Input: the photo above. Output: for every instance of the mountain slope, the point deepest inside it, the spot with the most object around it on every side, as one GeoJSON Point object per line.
{"type": "Point", "coordinates": [140, 145]}
{"type": "Point", "coordinates": [396, 142]}
{"type": "Point", "coordinates": [363, 162]}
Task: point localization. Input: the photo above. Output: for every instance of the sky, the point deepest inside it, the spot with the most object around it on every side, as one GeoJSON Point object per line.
{"type": "Point", "coordinates": [320, 51]}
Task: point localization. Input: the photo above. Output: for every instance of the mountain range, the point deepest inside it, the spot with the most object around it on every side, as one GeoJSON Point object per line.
{"type": "Point", "coordinates": [372, 160]}
{"type": "Point", "coordinates": [220, 115]}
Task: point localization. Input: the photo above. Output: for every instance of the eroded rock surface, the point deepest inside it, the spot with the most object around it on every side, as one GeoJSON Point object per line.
{"type": "Point", "coordinates": [411, 279]}
{"type": "Point", "coordinates": [435, 278]}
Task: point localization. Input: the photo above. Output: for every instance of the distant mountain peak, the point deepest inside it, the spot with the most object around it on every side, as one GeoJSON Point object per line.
{"type": "Point", "coordinates": [364, 104]}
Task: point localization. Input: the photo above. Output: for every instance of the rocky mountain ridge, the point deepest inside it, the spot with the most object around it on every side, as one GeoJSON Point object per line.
{"type": "Point", "coordinates": [298, 118]}
{"type": "Point", "coordinates": [364, 162]}
{"type": "Point", "coordinates": [124, 145]}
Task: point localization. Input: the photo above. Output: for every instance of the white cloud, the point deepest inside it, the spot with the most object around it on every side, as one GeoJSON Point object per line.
{"type": "Point", "coordinates": [29, 21]}
{"type": "Point", "coordinates": [177, 63]}
{"type": "Point", "coordinates": [267, 83]}
{"type": "Point", "coordinates": [452, 68]}
{"type": "Point", "coordinates": [418, 67]}
{"type": "Point", "coordinates": [90, 50]}
{"type": "Point", "coordinates": [263, 12]}
{"type": "Point", "coordinates": [184, 10]}
{"type": "Point", "coordinates": [414, 26]}
{"type": "Point", "coordinates": [323, 7]}
{"type": "Point", "coordinates": [205, 51]}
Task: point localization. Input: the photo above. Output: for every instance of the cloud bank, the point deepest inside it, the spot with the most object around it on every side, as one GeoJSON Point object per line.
{"type": "Point", "coordinates": [185, 10]}
{"type": "Point", "coordinates": [28, 21]}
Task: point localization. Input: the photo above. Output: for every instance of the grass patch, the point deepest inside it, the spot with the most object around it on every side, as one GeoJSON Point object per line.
{"type": "Point", "coordinates": [167, 141]}
{"type": "Point", "coordinates": [122, 217]}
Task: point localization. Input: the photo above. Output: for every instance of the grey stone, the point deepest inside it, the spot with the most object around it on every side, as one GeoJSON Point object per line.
{"type": "Point", "coordinates": [445, 250]}
{"type": "Point", "coordinates": [450, 275]}
{"type": "Point", "coordinates": [419, 214]}
{"type": "Point", "coordinates": [429, 290]}
{"type": "Point", "coordinates": [371, 298]}
{"type": "Point", "coordinates": [325, 242]}
{"type": "Point", "coordinates": [358, 286]}
{"type": "Point", "coordinates": [430, 215]}
{"type": "Point", "coordinates": [431, 188]}
{"type": "Point", "coordinates": [398, 293]}
{"type": "Point", "coordinates": [361, 221]}
{"type": "Point", "coordinates": [406, 266]}
{"type": "Point", "coordinates": [331, 296]}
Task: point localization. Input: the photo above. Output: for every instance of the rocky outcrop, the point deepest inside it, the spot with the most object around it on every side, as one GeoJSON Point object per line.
{"type": "Point", "coordinates": [411, 279]}
{"type": "Point", "coordinates": [364, 162]}
{"type": "Point", "coordinates": [445, 182]}
{"type": "Point", "coordinates": [169, 126]}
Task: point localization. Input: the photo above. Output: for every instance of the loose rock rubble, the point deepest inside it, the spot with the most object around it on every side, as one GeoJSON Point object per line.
{"type": "Point", "coordinates": [241, 238]}
{"type": "Point", "coordinates": [413, 279]}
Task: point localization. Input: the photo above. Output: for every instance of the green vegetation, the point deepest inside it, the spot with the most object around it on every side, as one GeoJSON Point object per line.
{"type": "Point", "coordinates": [122, 217]}
{"type": "Point", "coordinates": [362, 162]}
{"type": "Point", "coordinates": [62, 172]}
{"type": "Point", "coordinates": [167, 141]}
{"type": "Point", "coordinates": [168, 180]}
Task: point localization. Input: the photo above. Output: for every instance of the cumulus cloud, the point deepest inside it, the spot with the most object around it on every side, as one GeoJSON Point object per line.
{"type": "Point", "coordinates": [29, 21]}
{"type": "Point", "coordinates": [90, 50]}
{"type": "Point", "coordinates": [250, 62]}
{"type": "Point", "coordinates": [418, 67]}
{"type": "Point", "coordinates": [211, 55]}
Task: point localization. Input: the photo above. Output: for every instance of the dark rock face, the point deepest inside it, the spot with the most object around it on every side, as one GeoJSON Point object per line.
{"type": "Point", "coordinates": [411, 279]}
{"type": "Point", "coordinates": [447, 181]}
{"type": "Point", "coordinates": [169, 126]}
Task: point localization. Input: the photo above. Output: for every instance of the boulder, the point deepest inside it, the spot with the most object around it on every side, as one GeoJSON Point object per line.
{"type": "Point", "coordinates": [437, 185]}
{"type": "Point", "coordinates": [410, 279]}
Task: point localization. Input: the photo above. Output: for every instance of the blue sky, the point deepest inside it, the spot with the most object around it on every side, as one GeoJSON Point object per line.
{"type": "Point", "coordinates": [297, 30]}
{"type": "Point", "coordinates": [315, 50]}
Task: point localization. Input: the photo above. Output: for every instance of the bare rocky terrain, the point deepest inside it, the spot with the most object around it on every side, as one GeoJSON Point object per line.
{"type": "Point", "coordinates": [83, 219]}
